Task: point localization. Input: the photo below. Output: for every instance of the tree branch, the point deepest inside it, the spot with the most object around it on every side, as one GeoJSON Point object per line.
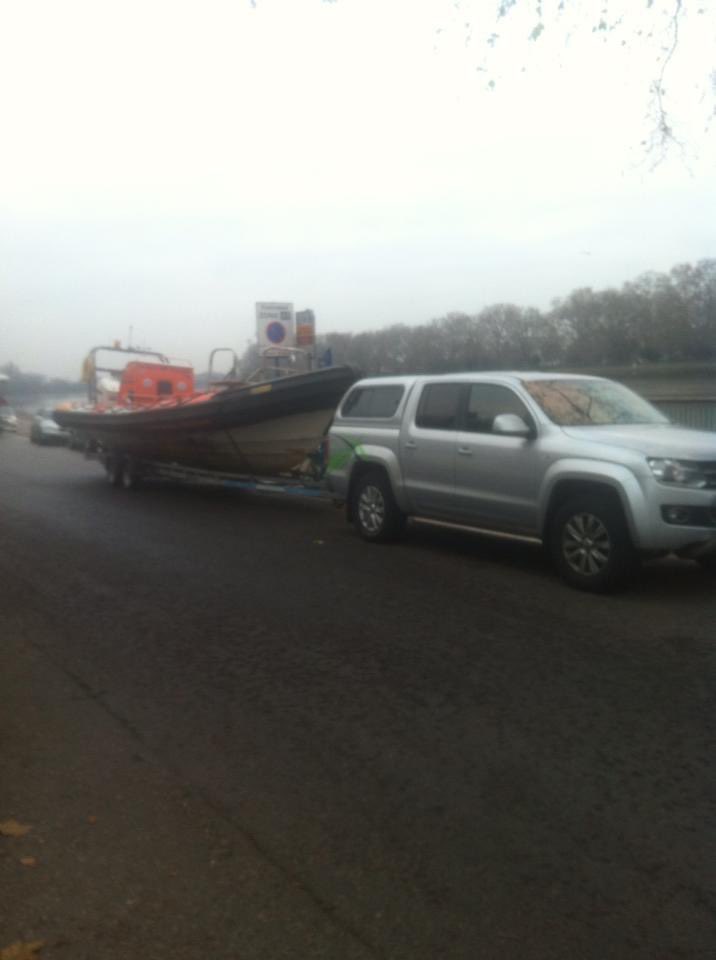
{"type": "Point", "coordinates": [664, 131]}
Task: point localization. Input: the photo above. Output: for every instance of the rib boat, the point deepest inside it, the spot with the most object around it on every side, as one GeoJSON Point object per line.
{"type": "Point", "coordinates": [153, 412]}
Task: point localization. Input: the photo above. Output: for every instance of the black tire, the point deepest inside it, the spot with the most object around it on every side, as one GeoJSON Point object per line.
{"type": "Point", "coordinates": [130, 477]}
{"type": "Point", "coordinates": [375, 513]}
{"type": "Point", "coordinates": [113, 468]}
{"type": "Point", "coordinates": [590, 544]}
{"type": "Point", "coordinates": [708, 562]}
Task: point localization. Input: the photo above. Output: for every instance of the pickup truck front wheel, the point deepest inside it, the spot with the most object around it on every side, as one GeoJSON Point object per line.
{"type": "Point", "coordinates": [590, 544]}
{"type": "Point", "coordinates": [375, 513]}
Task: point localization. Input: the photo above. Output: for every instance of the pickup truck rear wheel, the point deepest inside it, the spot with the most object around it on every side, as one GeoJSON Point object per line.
{"type": "Point", "coordinates": [590, 544]}
{"type": "Point", "coordinates": [376, 515]}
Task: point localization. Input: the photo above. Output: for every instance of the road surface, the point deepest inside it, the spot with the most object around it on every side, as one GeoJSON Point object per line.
{"type": "Point", "coordinates": [240, 732]}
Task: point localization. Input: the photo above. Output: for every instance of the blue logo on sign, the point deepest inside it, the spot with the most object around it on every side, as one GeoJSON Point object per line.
{"type": "Point", "coordinates": [276, 332]}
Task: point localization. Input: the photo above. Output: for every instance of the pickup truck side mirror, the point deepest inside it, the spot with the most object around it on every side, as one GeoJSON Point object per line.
{"type": "Point", "coordinates": [510, 425]}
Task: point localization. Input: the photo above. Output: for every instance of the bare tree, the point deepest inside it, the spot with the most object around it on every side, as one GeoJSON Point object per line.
{"type": "Point", "coordinates": [650, 29]}
{"type": "Point", "coordinates": [658, 317]}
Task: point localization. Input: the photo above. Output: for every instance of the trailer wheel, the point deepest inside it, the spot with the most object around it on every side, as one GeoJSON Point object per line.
{"type": "Point", "coordinates": [113, 469]}
{"type": "Point", "coordinates": [376, 515]}
{"type": "Point", "coordinates": [130, 475]}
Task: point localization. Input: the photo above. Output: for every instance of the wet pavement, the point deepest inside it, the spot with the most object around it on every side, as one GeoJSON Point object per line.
{"type": "Point", "coordinates": [238, 731]}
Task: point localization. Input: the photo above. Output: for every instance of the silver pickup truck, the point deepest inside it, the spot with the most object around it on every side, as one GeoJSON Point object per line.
{"type": "Point", "coordinates": [581, 464]}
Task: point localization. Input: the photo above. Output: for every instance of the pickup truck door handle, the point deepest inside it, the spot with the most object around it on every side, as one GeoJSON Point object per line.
{"type": "Point", "coordinates": [465, 451]}
{"type": "Point", "coordinates": [410, 445]}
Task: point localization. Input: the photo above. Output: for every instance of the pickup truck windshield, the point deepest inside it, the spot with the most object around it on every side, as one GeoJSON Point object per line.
{"type": "Point", "coordinates": [591, 403]}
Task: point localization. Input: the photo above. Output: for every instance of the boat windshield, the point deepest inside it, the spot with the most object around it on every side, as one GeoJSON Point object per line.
{"type": "Point", "coordinates": [591, 403]}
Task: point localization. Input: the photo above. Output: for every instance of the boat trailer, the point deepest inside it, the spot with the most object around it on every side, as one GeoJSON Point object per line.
{"type": "Point", "coordinates": [127, 473]}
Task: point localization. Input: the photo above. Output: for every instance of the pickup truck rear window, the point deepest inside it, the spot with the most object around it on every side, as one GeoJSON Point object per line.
{"type": "Point", "coordinates": [372, 402]}
{"type": "Point", "coordinates": [438, 406]}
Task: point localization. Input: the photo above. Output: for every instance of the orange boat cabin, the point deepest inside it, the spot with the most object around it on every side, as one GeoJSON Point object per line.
{"type": "Point", "coordinates": [148, 383]}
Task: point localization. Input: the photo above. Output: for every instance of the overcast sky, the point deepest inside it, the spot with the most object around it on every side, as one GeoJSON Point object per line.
{"type": "Point", "coordinates": [165, 164]}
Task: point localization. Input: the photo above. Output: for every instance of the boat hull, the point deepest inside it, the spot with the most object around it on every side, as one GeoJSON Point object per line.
{"type": "Point", "coordinates": [265, 429]}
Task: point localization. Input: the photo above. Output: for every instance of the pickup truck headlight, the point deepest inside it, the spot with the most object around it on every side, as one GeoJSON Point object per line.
{"type": "Point", "coordinates": [678, 472]}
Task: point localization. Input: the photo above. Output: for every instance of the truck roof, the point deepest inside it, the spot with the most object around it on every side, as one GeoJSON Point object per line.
{"type": "Point", "coordinates": [511, 376]}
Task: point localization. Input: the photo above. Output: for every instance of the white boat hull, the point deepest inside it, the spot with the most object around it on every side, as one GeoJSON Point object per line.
{"type": "Point", "coordinates": [272, 447]}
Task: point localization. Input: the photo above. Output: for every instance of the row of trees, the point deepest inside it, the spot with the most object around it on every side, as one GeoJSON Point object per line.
{"type": "Point", "coordinates": [659, 317]}
{"type": "Point", "coordinates": [21, 383]}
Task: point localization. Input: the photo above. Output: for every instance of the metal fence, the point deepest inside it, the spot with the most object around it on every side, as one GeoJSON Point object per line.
{"type": "Point", "coordinates": [698, 414]}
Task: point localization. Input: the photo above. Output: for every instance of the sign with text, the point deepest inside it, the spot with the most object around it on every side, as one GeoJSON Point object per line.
{"type": "Point", "coordinates": [275, 325]}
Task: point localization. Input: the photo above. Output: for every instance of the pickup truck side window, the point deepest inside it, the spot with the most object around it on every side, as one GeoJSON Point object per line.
{"type": "Point", "coordinates": [487, 401]}
{"type": "Point", "coordinates": [438, 406]}
{"type": "Point", "coordinates": [372, 402]}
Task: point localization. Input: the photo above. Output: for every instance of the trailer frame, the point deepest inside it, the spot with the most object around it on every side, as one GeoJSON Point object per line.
{"type": "Point", "coordinates": [127, 472]}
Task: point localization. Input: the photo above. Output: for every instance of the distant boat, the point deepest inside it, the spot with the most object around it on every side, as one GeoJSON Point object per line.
{"type": "Point", "coordinates": [153, 412]}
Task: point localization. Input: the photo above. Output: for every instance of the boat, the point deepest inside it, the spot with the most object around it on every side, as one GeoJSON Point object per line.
{"type": "Point", "coordinates": [151, 410]}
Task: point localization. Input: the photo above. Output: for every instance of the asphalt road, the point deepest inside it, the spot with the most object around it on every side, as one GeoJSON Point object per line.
{"type": "Point", "coordinates": [426, 750]}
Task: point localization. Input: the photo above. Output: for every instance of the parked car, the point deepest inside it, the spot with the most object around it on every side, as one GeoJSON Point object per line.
{"type": "Point", "coordinates": [8, 419]}
{"type": "Point", "coordinates": [581, 464]}
{"type": "Point", "coordinates": [45, 430]}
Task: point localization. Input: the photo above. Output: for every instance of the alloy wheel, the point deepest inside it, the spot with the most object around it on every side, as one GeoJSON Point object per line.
{"type": "Point", "coordinates": [586, 544]}
{"type": "Point", "coordinates": [371, 509]}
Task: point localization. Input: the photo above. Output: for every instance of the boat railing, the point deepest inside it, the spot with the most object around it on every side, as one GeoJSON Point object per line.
{"type": "Point", "coordinates": [299, 361]}
{"type": "Point", "coordinates": [229, 377]}
{"type": "Point", "coordinates": [94, 365]}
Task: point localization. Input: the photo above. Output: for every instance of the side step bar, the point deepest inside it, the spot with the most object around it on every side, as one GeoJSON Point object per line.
{"type": "Point", "coordinates": [465, 528]}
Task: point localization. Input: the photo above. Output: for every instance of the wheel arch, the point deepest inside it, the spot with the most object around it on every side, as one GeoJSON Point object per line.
{"type": "Point", "coordinates": [622, 490]}
{"type": "Point", "coordinates": [376, 459]}
{"type": "Point", "coordinates": [361, 468]}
